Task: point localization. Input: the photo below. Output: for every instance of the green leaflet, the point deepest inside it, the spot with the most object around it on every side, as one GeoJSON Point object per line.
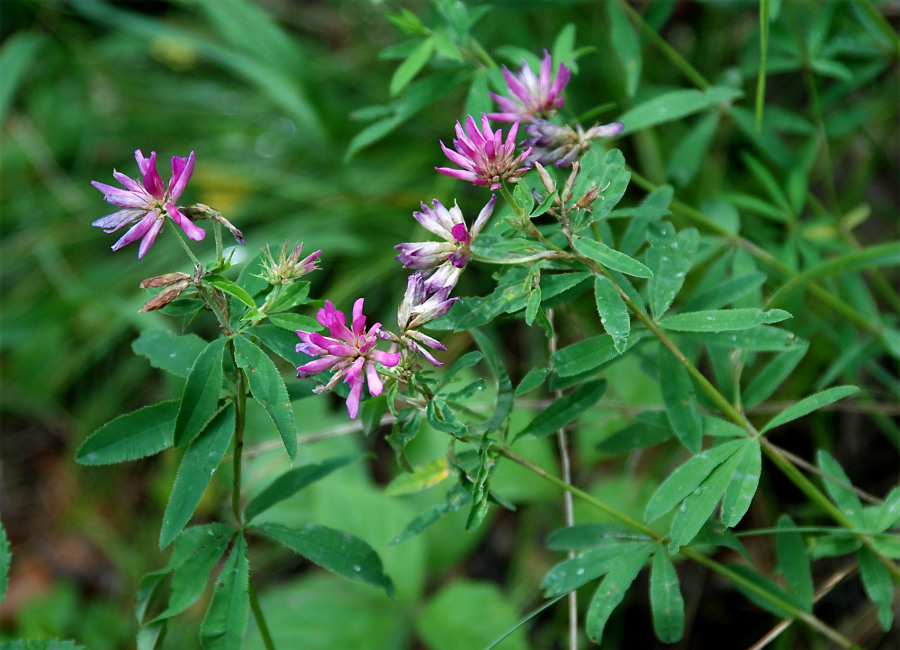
{"type": "Point", "coordinates": [743, 484]}
{"type": "Point", "coordinates": [666, 603]}
{"type": "Point", "coordinates": [268, 389]}
{"type": "Point", "coordinates": [610, 258]}
{"type": "Point", "coordinates": [564, 410]}
{"type": "Point", "coordinates": [613, 312]}
{"type": "Point", "coordinates": [793, 561]}
{"type": "Point", "coordinates": [674, 105]}
{"type": "Point", "coordinates": [200, 461]}
{"type": "Point", "coordinates": [201, 393]}
{"type": "Point", "coordinates": [699, 506]}
{"type": "Point", "coordinates": [669, 258]}
{"type": "Point", "coordinates": [721, 320]}
{"type": "Point", "coordinates": [808, 405]}
{"type": "Point", "coordinates": [573, 573]}
{"type": "Point", "coordinates": [134, 435]}
{"type": "Point", "coordinates": [337, 551]}
{"type": "Point", "coordinates": [680, 400]}
{"type": "Point", "coordinates": [878, 586]}
{"type": "Point", "coordinates": [228, 613]}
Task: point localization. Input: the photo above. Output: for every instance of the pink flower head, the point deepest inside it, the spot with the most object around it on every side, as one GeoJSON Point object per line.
{"type": "Point", "coordinates": [483, 155]}
{"type": "Point", "coordinates": [443, 261]}
{"type": "Point", "coordinates": [533, 96]}
{"type": "Point", "coordinates": [146, 204]}
{"type": "Point", "coordinates": [350, 352]}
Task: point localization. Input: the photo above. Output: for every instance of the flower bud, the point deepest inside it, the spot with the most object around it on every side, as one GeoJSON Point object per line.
{"type": "Point", "coordinates": [171, 291]}
{"type": "Point", "coordinates": [288, 266]}
{"type": "Point", "coordinates": [164, 280]}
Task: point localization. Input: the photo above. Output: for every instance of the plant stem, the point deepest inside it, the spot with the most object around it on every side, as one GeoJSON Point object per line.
{"type": "Point", "coordinates": [259, 618]}
{"type": "Point", "coordinates": [171, 225]}
{"type": "Point", "coordinates": [240, 403]}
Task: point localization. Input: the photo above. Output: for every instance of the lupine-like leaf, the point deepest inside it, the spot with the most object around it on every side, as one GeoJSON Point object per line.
{"type": "Point", "coordinates": [613, 312]}
{"type": "Point", "coordinates": [134, 435]}
{"type": "Point", "coordinates": [687, 478]}
{"type": "Point", "coordinates": [281, 342]}
{"type": "Point", "coordinates": [580, 536]}
{"type": "Point", "coordinates": [773, 374]}
{"type": "Point", "coordinates": [334, 550]}
{"type": "Point", "coordinates": [793, 561]}
{"type": "Point", "coordinates": [564, 410]}
{"type": "Point", "coordinates": [666, 603]}
{"type": "Point", "coordinates": [762, 338]}
{"type": "Point", "coordinates": [674, 105]}
{"type": "Point", "coordinates": [407, 70]}
{"type": "Point", "coordinates": [228, 613]}
{"type": "Point", "coordinates": [268, 389]}
{"type": "Point", "coordinates": [777, 600]}
{"type": "Point", "coordinates": [743, 484]}
{"type": "Point", "coordinates": [808, 405]}
{"type": "Point", "coordinates": [650, 428]}
{"type": "Point", "coordinates": [294, 480]}
{"type": "Point", "coordinates": [680, 400]}
{"type": "Point", "coordinates": [200, 461]}
{"type": "Point", "coordinates": [725, 293]}
{"type": "Point", "coordinates": [170, 352]}
{"type": "Point", "coordinates": [201, 393]}
{"type": "Point", "coordinates": [701, 504]}
{"type": "Point", "coordinates": [612, 590]}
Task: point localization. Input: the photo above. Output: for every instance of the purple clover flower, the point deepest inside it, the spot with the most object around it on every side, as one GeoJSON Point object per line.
{"type": "Point", "coordinates": [443, 262]}
{"type": "Point", "coordinates": [483, 155]}
{"type": "Point", "coordinates": [350, 352]}
{"type": "Point", "coordinates": [418, 308]}
{"type": "Point", "coordinates": [533, 96]}
{"type": "Point", "coordinates": [147, 203]}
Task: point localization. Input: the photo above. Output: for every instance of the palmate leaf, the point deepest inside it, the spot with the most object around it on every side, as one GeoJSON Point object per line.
{"type": "Point", "coordinates": [134, 435]}
{"type": "Point", "coordinates": [578, 571]}
{"type": "Point", "coordinates": [228, 613]}
{"type": "Point", "coordinates": [701, 504]}
{"type": "Point", "coordinates": [267, 388]}
{"type": "Point", "coordinates": [334, 550]}
{"type": "Point", "coordinates": [200, 461]}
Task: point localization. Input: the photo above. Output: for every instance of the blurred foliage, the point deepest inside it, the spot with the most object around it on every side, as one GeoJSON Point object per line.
{"type": "Point", "coordinates": [270, 95]}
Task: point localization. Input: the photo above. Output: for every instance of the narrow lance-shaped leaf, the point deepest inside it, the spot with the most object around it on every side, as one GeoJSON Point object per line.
{"type": "Point", "coordinates": [564, 410]}
{"type": "Point", "coordinates": [773, 374]}
{"type": "Point", "coordinates": [838, 485]}
{"type": "Point", "coordinates": [743, 484]}
{"type": "Point", "coordinates": [680, 400]}
{"type": "Point", "coordinates": [722, 320]}
{"type": "Point", "coordinates": [134, 435]}
{"type": "Point", "coordinates": [612, 590]}
{"type": "Point", "coordinates": [227, 286]}
{"type": "Point", "coordinates": [201, 459]}
{"type": "Point", "coordinates": [625, 45]}
{"type": "Point", "coordinates": [504, 400]}
{"type": "Point", "coordinates": [225, 622]}
{"type": "Point", "coordinates": [793, 561]}
{"type": "Point", "coordinates": [580, 536]}
{"type": "Point", "coordinates": [267, 388]}
{"type": "Point", "coordinates": [762, 338]}
{"type": "Point", "coordinates": [577, 571]}
{"type": "Point", "coordinates": [292, 481]}
{"type": "Point", "coordinates": [699, 506]}
{"type": "Point", "coordinates": [456, 498]}
{"type": "Point", "coordinates": [809, 404]}
{"type": "Point", "coordinates": [422, 478]}
{"type": "Point", "coordinates": [201, 393]}
{"type": "Point", "coordinates": [776, 599]}
{"type": "Point", "coordinates": [610, 258]}
{"type": "Point", "coordinates": [613, 312]}
{"type": "Point", "coordinates": [337, 551]}
{"type": "Point", "coordinates": [666, 603]}
{"type": "Point", "coordinates": [674, 105]}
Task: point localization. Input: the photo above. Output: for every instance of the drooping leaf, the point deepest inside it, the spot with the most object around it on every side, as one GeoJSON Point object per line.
{"type": "Point", "coordinates": [742, 485]}
{"type": "Point", "coordinates": [878, 585]}
{"type": "Point", "coordinates": [226, 619]}
{"type": "Point", "coordinates": [666, 603]}
{"type": "Point", "coordinates": [334, 550]}
{"type": "Point", "coordinates": [808, 405]}
{"type": "Point", "coordinates": [613, 588]}
{"type": "Point", "coordinates": [134, 435]}
{"type": "Point", "coordinates": [680, 400]}
{"type": "Point", "coordinates": [564, 410]}
{"type": "Point", "coordinates": [201, 393]}
{"type": "Point", "coordinates": [504, 400]}
{"type": "Point", "coordinates": [267, 388]}
{"type": "Point", "coordinates": [200, 461]}
{"type": "Point", "coordinates": [793, 561]}
{"type": "Point", "coordinates": [167, 351]}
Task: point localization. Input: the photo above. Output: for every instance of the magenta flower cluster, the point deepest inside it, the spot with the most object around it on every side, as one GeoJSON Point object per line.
{"type": "Point", "coordinates": [147, 204]}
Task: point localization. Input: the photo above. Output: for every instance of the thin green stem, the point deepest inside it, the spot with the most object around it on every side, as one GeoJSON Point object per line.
{"type": "Point", "coordinates": [763, 51]}
{"type": "Point", "coordinates": [240, 403]}
{"type": "Point", "coordinates": [259, 618]}
{"type": "Point", "coordinates": [171, 225]}
{"type": "Point", "coordinates": [220, 250]}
